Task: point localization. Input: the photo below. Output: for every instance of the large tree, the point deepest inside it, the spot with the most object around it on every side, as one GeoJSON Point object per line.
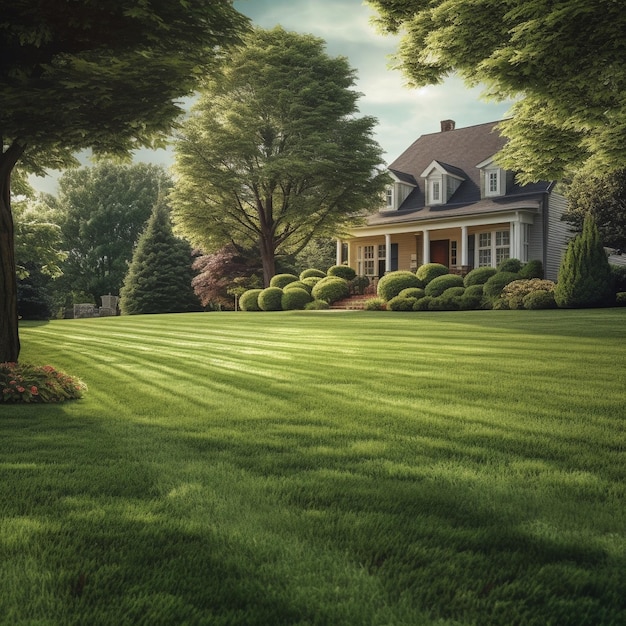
{"type": "Point", "coordinates": [78, 74]}
{"type": "Point", "coordinates": [274, 153]}
{"type": "Point", "coordinates": [102, 210]}
{"type": "Point", "coordinates": [563, 60]}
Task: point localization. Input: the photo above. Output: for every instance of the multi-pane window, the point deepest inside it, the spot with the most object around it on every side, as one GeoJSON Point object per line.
{"type": "Point", "coordinates": [503, 245]}
{"type": "Point", "coordinates": [453, 253]}
{"type": "Point", "coordinates": [389, 198]}
{"type": "Point", "coordinates": [492, 182]}
{"type": "Point", "coordinates": [525, 242]}
{"type": "Point", "coordinates": [365, 261]}
{"type": "Point", "coordinates": [484, 250]}
{"type": "Point", "coordinates": [436, 188]}
{"type": "Point", "coordinates": [493, 248]}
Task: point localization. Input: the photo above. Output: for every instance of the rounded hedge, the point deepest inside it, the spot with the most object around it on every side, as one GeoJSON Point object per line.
{"type": "Point", "coordinates": [428, 271]}
{"type": "Point", "coordinates": [423, 304]}
{"type": "Point", "coordinates": [317, 305]}
{"type": "Point", "coordinates": [331, 289]}
{"type": "Point", "coordinates": [375, 304]}
{"type": "Point", "coordinates": [540, 299]}
{"type": "Point", "coordinates": [510, 265]}
{"type": "Point", "coordinates": [311, 281]}
{"type": "Point", "coordinates": [312, 273]}
{"type": "Point", "coordinates": [343, 271]}
{"type": "Point", "coordinates": [474, 290]}
{"type": "Point", "coordinates": [494, 286]}
{"type": "Point", "coordinates": [296, 298]}
{"type": "Point", "coordinates": [479, 276]}
{"type": "Point", "coordinates": [249, 300]}
{"type": "Point", "coordinates": [412, 292]}
{"type": "Point", "coordinates": [439, 284]}
{"type": "Point", "coordinates": [620, 298]}
{"type": "Point", "coordinates": [532, 269]}
{"type": "Point", "coordinates": [400, 303]}
{"type": "Point", "coordinates": [471, 300]}
{"type": "Point", "coordinates": [359, 284]}
{"type": "Point", "coordinates": [270, 299]}
{"type": "Point", "coordinates": [390, 285]}
{"type": "Point", "coordinates": [298, 284]}
{"type": "Point", "coordinates": [280, 280]}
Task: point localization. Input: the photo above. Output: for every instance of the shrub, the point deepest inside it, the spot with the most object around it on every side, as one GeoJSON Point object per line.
{"type": "Point", "coordinates": [359, 284]}
{"type": "Point", "coordinates": [375, 304]}
{"type": "Point", "coordinates": [439, 284]}
{"type": "Point", "coordinates": [428, 271]}
{"type": "Point", "coordinates": [400, 303]}
{"type": "Point", "coordinates": [298, 284]}
{"type": "Point", "coordinates": [311, 281]}
{"type": "Point", "coordinates": [343, 271]}
{"type": "Point", "coordinates": [312, 273]}
{"type": "Point", "coordinates": [532, 269]}
{"type": "Point", "coordinates": [540, 299]}
{"type": "Point", "coordinates": [412, 292]}
{"type": "Point", "coordinates": [619, 277]}
{"type": "Point", "coordinates": [281, 280]}
{"type": "Point", "coordinates": [474, 290]}
{"type": "Point", "coordinates": [585, 278]}
{"type": "Point", "coordinates": [453, 292]}
{"type": "Point", "coordinates": [270, 299]}
{"type": "Point", "coordinates": [295, 299]}
{"type": "Point", "coordinates": [423, 304]}
{"type": "Point", "coordinates": [479, 276]}
{"type": "Point", "coordinates": [620, 298]}
{"type": "Point", "coordinates": [470, 301]}
{"type": "Point", "coordinates": [390, 285]}
{"type": "Point", "coordinates": [317, 305]}
{"type": "Point", "coordinates": [494, 286]}
{"type": "Point", "coordinates": [510, 265]}
{"type": "Point", "coordinates": [23, 383]}
{"type": "Point", "coordinates": [515, 292]}
{"type": "Point", "coordinates": [249, 300]}
{"type": "Point", "coordinates": [331, 289]}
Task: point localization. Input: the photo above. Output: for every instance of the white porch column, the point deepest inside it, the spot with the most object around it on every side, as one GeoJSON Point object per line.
{"type": "Point", "coordinates": [516, 240]}
{"type": "Point", "coordinates": [426, 247]}
{"type": "Point", "coordinates": [338, 253]}
{"type": "Point", "coordinates": [464, 259]}
{"type": "Point", "coordinates": [387, 253]}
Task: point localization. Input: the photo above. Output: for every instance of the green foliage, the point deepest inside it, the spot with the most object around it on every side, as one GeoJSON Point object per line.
{"type": "Point", "coordinates": [295, 298]}
{"type": "Point", "coordinates": [532, 269]}
{"type": "Point", "coordinates": [273, 154]}
{"type": "Point", "coordinates": [474, 290]}
{"type": "Point", "coordinates": [317, 305]}
{"type": "Point", "coordinates": [297, 284]}
{"type": "Point", "coordinates": [412, 292]}
{"type": "Point", "coordinates": [343, 271]}
{"type": "Point", "coordinates": [479, 276]}
{"type": "Point", "coordinates": [401, 303]}
{"type": "Point", "coordinates": [549, 57]}
{"type": "Point", "coordinates": [375, 304]}
{"type": "Point", "coordinates": [516, 291]}
{"type": "Point", "coordinates": [620, 298]}
{"type": "Point", "coordinates": [280, 280]}
{"type": "Point", "coordinates": [471, 300]}
{"type": "Point", "coordinates": [312, 273]}
{"type": "Point", "coordinates": [585, 278]}
{"type": "Point", "coordinates": [24, 383]}
{"type": "Point", "coordinates": [510, 265]}
{"type": "Point", "coordinates": [619, 277]}
{"type": "Point", "coordinates": [359, 284]}
{"type": "Point", "coordinates": [311, 281]}
{"type": "Point", "coordinates": [494, 285]}
{"type": "Point", "coordinates": [391, 284]}
{"type": "Point", "coordinates": [270, 299]}
{"type": "Point", "coordinates": [249, 300]}
{"type": "Point", "coordinates": [429, 271]}
{"type": "Point", "coordinates": [540, 299]}
{"type": "Point", "coordinates": [331, 289]}
{"type": "Point", "coordinates": [439, 284]}
{"type": "Point", "coordinates": [423, 304]}
{"type": "Point", "coordinates": [319, 253]}
{"type": "Point", "coordinates": [160, 274]}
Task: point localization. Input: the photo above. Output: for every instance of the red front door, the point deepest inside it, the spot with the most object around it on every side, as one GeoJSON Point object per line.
{"type": "Point", "coordinates": [440, 251]}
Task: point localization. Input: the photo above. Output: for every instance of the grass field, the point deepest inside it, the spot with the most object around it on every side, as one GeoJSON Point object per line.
{"type": "Point", "coordinates": [331, 468]}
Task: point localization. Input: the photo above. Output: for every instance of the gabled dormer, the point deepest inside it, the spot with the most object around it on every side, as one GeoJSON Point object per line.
{"type": "Point", "coordinates": [440, 182]}
{"type": "Point", "coordinates": [493, 179]}
{"type": "Point", "coordinates": [398, 191]}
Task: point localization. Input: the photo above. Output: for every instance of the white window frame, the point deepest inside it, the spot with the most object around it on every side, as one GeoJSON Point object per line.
{"type": "Point", "coordinates": [366, 262]}
{"type": "Point", "coordinates": [493, 247]}
{"type": "Point", "coordinates": [435, 192]}
{"type": "Point", "coordinates": [389, 195]}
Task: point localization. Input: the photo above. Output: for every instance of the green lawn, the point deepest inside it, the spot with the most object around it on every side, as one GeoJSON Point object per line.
{"type": "Point", "coordinates": [322, 468]}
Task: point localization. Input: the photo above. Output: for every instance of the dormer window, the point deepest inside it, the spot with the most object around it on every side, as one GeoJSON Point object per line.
{"type": "Point", "coordinates": [389, 194]}
{"type": "Point", "coordinates": [493, 187]}
{"type": "Point", "coordinates": [441, 182]}
{"type": "Point", "coordinates": [435, 192]}
{"type": "Point", "coordinates": [493, 179]}
{"type": "Point", "coordinates": [399, 190]}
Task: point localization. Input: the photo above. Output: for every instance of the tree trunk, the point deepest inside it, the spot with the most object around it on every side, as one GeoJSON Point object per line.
{"type": "Point", "coordinates": [268, 259]}
{"type": "Point", "coordinates": [9, 334]}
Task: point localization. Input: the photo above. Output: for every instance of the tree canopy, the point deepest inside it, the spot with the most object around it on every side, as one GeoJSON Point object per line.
{"type": "Point", "coordinates": [108, 76]}
{"type": "Point", "coordinates": [564, 61]}
{"type": "Point", "coordinates": [274, 153]}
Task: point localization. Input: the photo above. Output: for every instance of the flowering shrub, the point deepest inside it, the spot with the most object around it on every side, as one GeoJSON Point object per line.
{"type": "Point", "coordinates": [32, 383]}
{"type": "Point", "coordinates": [515, 292]}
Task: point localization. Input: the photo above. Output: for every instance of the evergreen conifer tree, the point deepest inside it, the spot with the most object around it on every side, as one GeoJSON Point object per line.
{"type": "Point", "coordinates": [585, 278]}
{"type": "Point", "coordinates": [159, 277]}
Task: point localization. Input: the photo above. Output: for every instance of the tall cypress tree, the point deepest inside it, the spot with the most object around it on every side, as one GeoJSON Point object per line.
{"type": "Point", "coordinates": [160, 274]}
{"type": "Point", "coordinates": [585, 278]}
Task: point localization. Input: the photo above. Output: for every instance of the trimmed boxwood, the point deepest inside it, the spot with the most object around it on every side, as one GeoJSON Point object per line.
{"type": "Point", "coordinates": [428, 271]}
{"type": "Point", "coordinates": [439, 284]}
{"type": "Point", "coordinates": [295, 299]}
{"type": "Point", "coordinates": [343, 271]}
{"type": "Point", "coordinates": [494, 286]}
{"type": "Point", "coordinates": [423, 304]}
{"type": "Point", "coordinates": [249, 300]}
{"type": "Point", "coordinates": [620, 298]}
{"type": "Point", "coordinates": [412, 292]}
{"type": "Point", "coordinates": [390, 285]}
{"type": "Point", "coordinates": [400, 303]}
{"type": "Point", "coordinates": [280, 280]}
{"type": "Point", "coordinates": [510, 265]}
{"type": "Point", "coordinates": [331, 289]}
{"type": "Point", "coordinates": [540, 299]}
{"type": "Point", "coordinates": [375, 304]}
{"type": "Point", "coordinates": [298, 284]}
{"type": "Point", "coordinates": [311, 281]}
{"type": "Point", "coordinates": [359, 284]}
{"type": "Point", "coordinates": [474, 290]}
{"type": "Point", "coordinates": [270, 299]}
{"type": "Point", "coordinates": [532, 269]}
{"type": "Point", "coordinates": [479, 276]}
{"type": "Point", "coordinates": [312, 273]}
{"type": "Point", "coordinates": [317, 305]}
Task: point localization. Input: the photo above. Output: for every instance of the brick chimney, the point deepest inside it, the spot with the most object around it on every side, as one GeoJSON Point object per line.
{"type": "Point", "coordinates": [447, 125]}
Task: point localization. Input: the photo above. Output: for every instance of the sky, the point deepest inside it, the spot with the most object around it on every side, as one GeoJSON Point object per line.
{"type": "Point", "coordinates": [403, 114]}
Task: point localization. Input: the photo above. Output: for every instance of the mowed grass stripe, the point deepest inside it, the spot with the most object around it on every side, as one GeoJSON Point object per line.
{"type": "Point", "coordinates": [353, 468]}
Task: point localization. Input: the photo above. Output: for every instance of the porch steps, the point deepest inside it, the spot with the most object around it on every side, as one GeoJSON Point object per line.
{"type": "Point", "coordinates": [353, 303]}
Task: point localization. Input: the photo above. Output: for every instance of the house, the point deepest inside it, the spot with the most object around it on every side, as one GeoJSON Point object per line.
{"type": "Point", "coordinates": [449, 202]}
